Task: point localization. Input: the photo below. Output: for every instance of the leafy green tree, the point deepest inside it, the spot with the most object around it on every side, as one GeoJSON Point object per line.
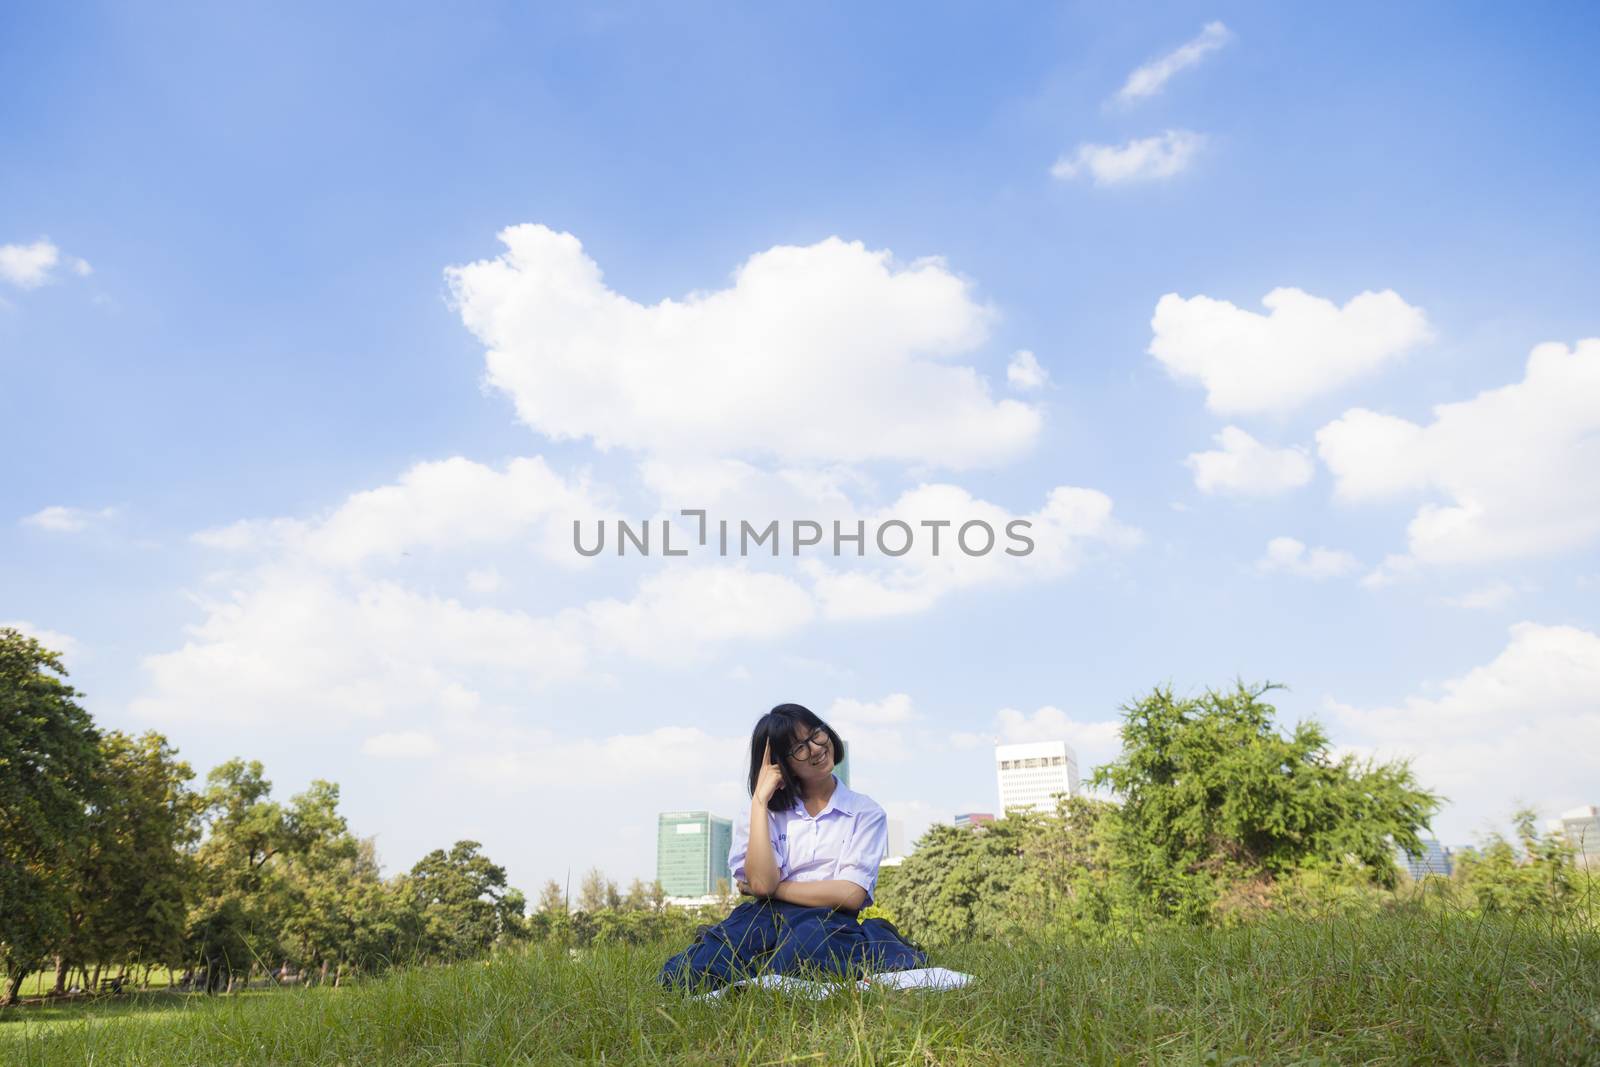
{"type": "Point", "coordinates": [638, 896]}
{"type": "Point", "coordinates": [49, 759]}
{"type": "Point", "coordinates": [236, 921]}
{"type": "Point", "coordinates": [552, 897]}
{"type": "Point", "coordinates": [386, 928]}
{"type": "Point", "coordinates": [463, 903]}
{"type": "Point", "coordinates": [1216, 804]}
{"type": "Point", "coordinates": [958, 883]}
{"type": "Point", "coordinates": [551, 918]}
{"type": "Point", "coordinates": [597, 892]}
{"type": "Point", "coordinates": [1067, 863]}
{"type": "Point", "coordinates": [1498, 879]}
{"type": "Point", "coordinates": [133, 873]}
{"type": "Point", "coordinates": [324, 870]}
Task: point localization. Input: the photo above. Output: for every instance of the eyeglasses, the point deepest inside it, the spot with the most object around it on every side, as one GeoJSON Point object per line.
{"type": "Point", "coordinates": [819, 738]}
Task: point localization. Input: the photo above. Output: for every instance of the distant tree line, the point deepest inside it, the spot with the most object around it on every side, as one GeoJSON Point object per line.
{"type": "Point", "coordinates": [1219, 819]}
{"type": "Point", "coordinates": [110, 861]}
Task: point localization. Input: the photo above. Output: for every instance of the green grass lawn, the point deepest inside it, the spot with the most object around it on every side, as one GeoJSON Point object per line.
{"type": "Point", "coordinates": [1401, 988]}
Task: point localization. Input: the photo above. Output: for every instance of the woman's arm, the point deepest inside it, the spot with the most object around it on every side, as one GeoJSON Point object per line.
{"type": "Point", "coordinates": [760, 864]}
{"type": "Point", "coordinates": [829, 893]}
{"type": "Point", "coordinates": [760, 861]}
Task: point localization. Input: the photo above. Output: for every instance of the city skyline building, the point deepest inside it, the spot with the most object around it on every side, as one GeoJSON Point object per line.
{"type": "Point", "coordinates": [973, 819]}
{"type": "Point", "coordinates": [1031, 774]}
{"type": "Point", "coordinates": [898, 846]}
{"type": "Point", "coordinates": [692, 852]}
{"type": "Point", "coordinates": [1433, 859]}
{"type": "Point", "coordinates": [1580, 827]}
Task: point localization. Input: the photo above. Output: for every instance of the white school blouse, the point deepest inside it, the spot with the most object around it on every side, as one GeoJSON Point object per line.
{"type": "Point", "coordinates": [848, 839]}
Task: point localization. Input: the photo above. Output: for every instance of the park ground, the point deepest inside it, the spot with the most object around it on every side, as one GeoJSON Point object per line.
{"type": "Point", "coordinates": [1401, 988]}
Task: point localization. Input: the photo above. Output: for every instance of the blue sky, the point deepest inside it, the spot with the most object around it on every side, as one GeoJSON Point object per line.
{"type": "Point", "coordinates": [224, 300]}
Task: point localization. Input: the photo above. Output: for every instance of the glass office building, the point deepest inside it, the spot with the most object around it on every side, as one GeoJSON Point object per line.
{"type": "Point", "coordinates": [692, 852]}
{"type": "Point", "coordinates": [1433, 859]}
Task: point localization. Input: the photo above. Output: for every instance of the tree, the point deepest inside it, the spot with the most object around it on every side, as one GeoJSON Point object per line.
{"type": "Point", "coordinates": [132, 875]}
{"type": "Point", "coordinates": [1066, 861]}
{"type": "Point", "coordinates": [958, 883]}
{"type": "Point", "coordinates": [49, 757]}
{"type": "Point", "coordinates": [326, 874]}
{"type": "Point", "coordinates": [1498, 879]}
{"type": "Point", "coordinates": [638, 898]}
{"type": "Point", "coordinates": [463, 903]}
{"type": "Point", "coordinates": [236, 920]}
{"type": "Point", "coordinates": [1217, 804]}
{"type": "Point", "coordinates": [552, 899]}
{"type": "Point", "coordinates": [597, 892]}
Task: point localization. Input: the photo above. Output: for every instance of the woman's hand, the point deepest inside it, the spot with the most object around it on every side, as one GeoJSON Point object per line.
{"type": "Point", "coordinates": [770, 779]}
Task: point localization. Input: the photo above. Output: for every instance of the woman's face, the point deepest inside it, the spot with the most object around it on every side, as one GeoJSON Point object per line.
{"type": "Point", "coordinates": [815, 761]}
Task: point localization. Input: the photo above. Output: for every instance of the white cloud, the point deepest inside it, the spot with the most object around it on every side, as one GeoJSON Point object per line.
{"type": "Point", "coordinates": [1149, 79]}
{"type": "Point", "coordinates": [1024, 371]}
{"type": "Point", "coordinates": [1516, 464]}
{"type": "Point", "coordinates": [1494, 595]}
{"type": "Point", "coordinates": [1523, 727]}
{"type": "Point", "coordinates": [1071, 524]}
{"type": "Point", "coordinates": [59, 519]}
{"type": "Point", "coordinates": [816, 354]}
{"type": "Point", "coordinates": [680, 613]}
{"type": "Point", "coordinates": [1394, 569]}
{"type": "Point", "coordinates": [1246, 466]}
{"type": "Point", "coordinates": [1142, 159]}
{"type": "Point", "coordinates": [403, 744]}
{"type": "Point", "coordinates": [292, 643]}
{"type": "Point", "coordinates": [301, 629]}
{"type": "Point", "coordinates": [1306, 345]}
{"type": "Point", "coordinates": [30, 266]}
{"type": "Point", "coordinates": [731, 489]}
{"type": "Point", "coordinates": [874, 728]}
{"type": "Point", "coordinates": [1285, 555]}
{"type": "Point", "coordinates": [54, 640]}
{"type": "Point", "coordinates": [893, 709]}
{"type": "Point", "coordinates": [446, 505]}
{"type": "Point", "coordinates": [627, 766]}
{"type": "Point", "coordinates": [484, 580]}
{"type": "Point", "coordinates": [917, 816]}
{"type": "Point", "coordinates": [1093, 741]}
{"type": "Point", "coordinates": [609, 789]}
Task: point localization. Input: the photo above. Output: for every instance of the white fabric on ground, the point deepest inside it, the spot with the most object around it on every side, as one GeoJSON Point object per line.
{"type": "Point", "coordinates": [917, 978]}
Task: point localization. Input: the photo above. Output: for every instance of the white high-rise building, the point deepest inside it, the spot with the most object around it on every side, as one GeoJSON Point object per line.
{"type": "Point", "coordinates": [1032, 774]}
{"type": "Point", "coordinates": [1581, 828]}
{"type": "Point", "coordinates": [897, 836]}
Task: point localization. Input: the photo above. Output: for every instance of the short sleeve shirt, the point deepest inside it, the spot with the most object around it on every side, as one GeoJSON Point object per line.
{"type": "Point", "coordinates": [846, 840]}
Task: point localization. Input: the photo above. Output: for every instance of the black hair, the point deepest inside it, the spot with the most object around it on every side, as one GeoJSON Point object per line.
{"type": "Point", "coordinates": [777, 728]}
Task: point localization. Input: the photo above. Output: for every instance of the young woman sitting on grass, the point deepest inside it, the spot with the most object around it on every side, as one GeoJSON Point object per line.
{"type": "Point", "coordinates": [807, 853]}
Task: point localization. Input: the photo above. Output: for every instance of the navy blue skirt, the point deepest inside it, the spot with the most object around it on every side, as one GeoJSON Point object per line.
{"type": "Point", "coordinates": [776, 937]}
